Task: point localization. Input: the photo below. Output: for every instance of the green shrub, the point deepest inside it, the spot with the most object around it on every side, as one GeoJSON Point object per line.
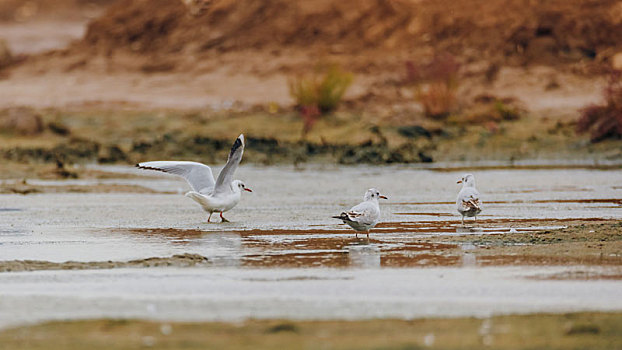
{"type": "Point", "coordinates": [319, 93]}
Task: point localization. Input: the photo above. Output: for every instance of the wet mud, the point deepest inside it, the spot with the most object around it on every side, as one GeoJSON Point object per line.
{"type": "Point", "coordinates": [25, 188]}
{"type": "Point", "coordinates": [589, 242]}
{"type": "Point", "coordinates": [185, 260]}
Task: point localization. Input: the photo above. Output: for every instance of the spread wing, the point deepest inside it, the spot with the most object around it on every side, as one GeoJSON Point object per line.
{"type": "Point", "coordinates": [223, 183]}
{"type": "Point", "coordinates": [199, 176]}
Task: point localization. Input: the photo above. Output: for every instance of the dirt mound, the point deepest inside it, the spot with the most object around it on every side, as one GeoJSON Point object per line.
{"type": "Point", "coordinates": [524, 29]}
{"type": "Point", "coordinates": [163, 25]}
{"type": "Point", "coordinates": [22, 10]}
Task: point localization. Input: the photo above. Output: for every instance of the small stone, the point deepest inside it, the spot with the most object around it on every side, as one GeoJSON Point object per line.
{"type": "Point", "coordinates": [21, 120]}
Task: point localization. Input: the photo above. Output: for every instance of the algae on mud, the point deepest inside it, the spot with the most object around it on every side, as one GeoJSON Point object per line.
{"type": "Point", "coordinates": [534, 331]}
{"type": "Point", "coordinates": [182, 260]}
{"type": "Point", "coordinates": [349, 137]}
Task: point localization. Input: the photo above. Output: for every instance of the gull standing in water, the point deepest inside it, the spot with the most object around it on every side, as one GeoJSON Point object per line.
{"type": "Point", "coordinates": [468, 203]}
{"type": "Point", "coordinates": [365, 215]}
{"type": "Point", "coordinates": [213, 196]}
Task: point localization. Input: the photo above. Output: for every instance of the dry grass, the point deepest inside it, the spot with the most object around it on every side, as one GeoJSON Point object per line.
{"type": "Point", "coordinates": [319, 93]}
{"type": "Point", "coordinates": [436, 84]}
{"type": "Point", "coordinates": [604, 120]}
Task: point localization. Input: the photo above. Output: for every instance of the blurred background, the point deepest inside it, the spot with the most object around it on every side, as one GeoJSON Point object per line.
{"type": "Point", "coordinates": [350, 82]}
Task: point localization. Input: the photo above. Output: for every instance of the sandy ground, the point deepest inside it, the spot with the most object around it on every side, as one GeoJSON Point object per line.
{"type": "Point", "coordinates": [225, 86]}
{"type": "Point", "coordinates": [247, 78]}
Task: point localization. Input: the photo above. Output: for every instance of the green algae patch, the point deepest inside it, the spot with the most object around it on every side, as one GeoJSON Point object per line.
{"type": "Point", "coordinates": [537, 331]}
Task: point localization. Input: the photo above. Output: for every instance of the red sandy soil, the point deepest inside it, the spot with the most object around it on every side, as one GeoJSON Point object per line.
{"type": "Point", "coordinates": [202, 53]}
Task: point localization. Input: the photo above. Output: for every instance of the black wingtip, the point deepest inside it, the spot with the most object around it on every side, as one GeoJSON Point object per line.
{"type": "Point", "coordinates": [343, 216]}
{"type": "Point", "coordinates": [237, 144]}
{"type": "Point", "coordinates": [149, 168]}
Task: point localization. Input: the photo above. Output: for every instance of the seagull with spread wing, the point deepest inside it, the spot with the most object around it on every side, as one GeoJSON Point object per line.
{"type": "Point", "coordinates": [365, 215]}
{"type": "Point", "coordinates": [468, 203]}
{"type": "Point", "coordinates": [213, 196]}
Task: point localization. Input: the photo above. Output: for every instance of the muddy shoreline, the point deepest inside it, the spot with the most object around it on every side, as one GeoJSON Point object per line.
{"type": "Point", "coordinates": [581, 243]}
{"type": "Point", "coordinates": [346, 138]}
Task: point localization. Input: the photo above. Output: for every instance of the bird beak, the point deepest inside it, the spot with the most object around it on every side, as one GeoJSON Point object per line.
{"type": "Point", "coordinates": [383, 197]}
{"type": "Point", "coordinates": [459, 182]}
{"type": "Point", "coordinates": [248, 190]}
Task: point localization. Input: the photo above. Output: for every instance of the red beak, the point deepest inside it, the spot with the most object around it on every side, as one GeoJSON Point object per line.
{"type": "Point", "coordinates": [459, 182]}
{"type": "Point", "coordinates": [248, 190]}
{"type": "Point", "coordinates": [383, 197]}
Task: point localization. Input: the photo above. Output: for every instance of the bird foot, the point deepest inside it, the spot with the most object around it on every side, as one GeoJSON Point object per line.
{"type": "Point", "coordinates": [223, 218]}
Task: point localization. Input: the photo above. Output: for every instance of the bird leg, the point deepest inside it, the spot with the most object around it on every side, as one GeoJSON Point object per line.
{"type": "Point", "coordinates": [356, 235]}
{"type": "Point", "coordinates": [223, 219]}
{"type": "Point", "coordinates": [463, 220]}
{"type": "Point", "coordinates": [367, 235]}
{"type": "Point", "coordinates": [209, 217]}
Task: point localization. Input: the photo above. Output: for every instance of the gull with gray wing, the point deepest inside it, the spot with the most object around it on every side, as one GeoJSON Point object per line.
{"type": "Point", "coordinates": [468, 202]}
{"type": "Point", "coordinates": [213, 196]}
{"type": "Point", "coordinates": [365, 215]}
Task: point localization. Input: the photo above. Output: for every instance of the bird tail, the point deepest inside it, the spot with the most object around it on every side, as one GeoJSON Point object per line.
{"type": "Point", "coordinates": [343, 216]}
{"type": "Point", "coordinates": [197, 197]}
{"type": "Point", "coordinates": [474, 203]}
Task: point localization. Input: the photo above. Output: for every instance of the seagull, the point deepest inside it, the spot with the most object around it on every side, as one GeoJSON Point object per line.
{"type": "Point", "coordinates": [468, 203]}
{"type": "Point", "coordinates": [365, 215]}
{"type": "Point", "coordinates": [213, 196]}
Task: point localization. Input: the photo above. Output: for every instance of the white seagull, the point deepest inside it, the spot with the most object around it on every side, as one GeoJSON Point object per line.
{"type": "Point", "coordinates": [365, 215]}
{"type": "Point", "coordinates": [213, 196]}
{"type": "Point", "coordinates": [468, 203]}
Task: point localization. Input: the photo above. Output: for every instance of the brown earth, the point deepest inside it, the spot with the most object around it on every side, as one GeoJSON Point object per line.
{"type": "Point", "coordinates": [248, 49]}
{"type": "Point", "coordinates": [230, 57]}
{"type": "Point", "coordinates": [530, 31]}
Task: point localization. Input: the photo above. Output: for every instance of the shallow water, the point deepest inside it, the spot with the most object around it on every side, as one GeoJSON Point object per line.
{"type": "Point", "coordinates": [285, 224]}
{"type": "Point", "coordinates": [120, 226]}
{"type": "Point", "coordinates": [235, 294]}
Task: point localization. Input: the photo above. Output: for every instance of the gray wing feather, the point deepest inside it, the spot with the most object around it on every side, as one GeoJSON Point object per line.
{"type": "Point", "coordinates": [199, 176]}
{"type": "Point", "coordinates": [468, 198]}
{"type": "Point", "coordinates": [223, 182]}
{"type": "Point", "coordinates": [364, 213]}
